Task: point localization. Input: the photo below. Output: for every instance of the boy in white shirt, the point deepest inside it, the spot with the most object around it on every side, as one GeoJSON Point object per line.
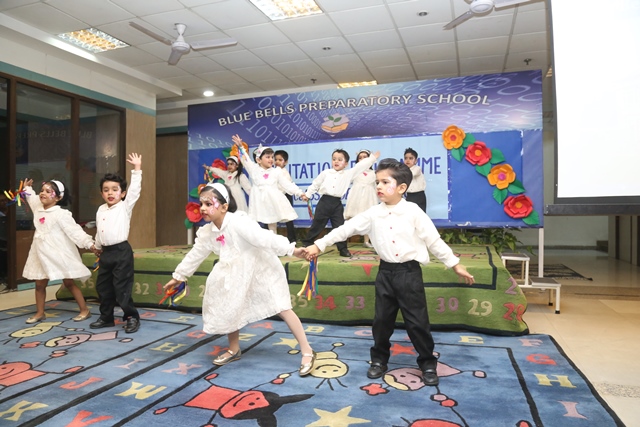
{"type": "Point", "coordinates": [332, 184]}
{"type": "Point", "coordinates": [403, 235]}
{"type": "Point", "coordinates": [415, 192]}
{"type": "Point", "coordinates": [115, 274]}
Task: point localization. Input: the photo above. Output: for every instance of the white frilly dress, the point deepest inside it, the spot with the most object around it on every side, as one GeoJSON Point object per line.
{"type": "Point", "coordinates": [267, 203]}
{"type": "Point", "coordinates": [248, 283]}
{"type": "Point", "coordinates": [53, 254]}
{"type": "Point", "coordinates": [236, 184]}
{"type": "Point", "coordinates": [362, 194]}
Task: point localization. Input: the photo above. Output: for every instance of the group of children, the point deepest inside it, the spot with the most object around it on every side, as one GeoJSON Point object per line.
{"type": "Point", "coordinates": [249, 282]}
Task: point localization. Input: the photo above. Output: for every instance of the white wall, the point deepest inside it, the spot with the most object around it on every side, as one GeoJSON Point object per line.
{"type": "Point", "coordinates": [69, 69]}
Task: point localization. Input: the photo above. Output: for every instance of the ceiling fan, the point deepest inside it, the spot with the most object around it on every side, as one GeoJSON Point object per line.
{"type": "Point", "coordinates": [179, 46]}
{"type": "Point", "coordinates": [480, 7]}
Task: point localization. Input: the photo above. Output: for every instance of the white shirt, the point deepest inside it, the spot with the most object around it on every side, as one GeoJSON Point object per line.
{"type": "Point", "coordinates": [418, 183]}
{"type": "Point", "coordinates": [113, 223]}
{"type": "Point", "coordinates": [287, 175]}
{"type": "Point", "coordinates": [335, 183]}
{"type": "Point", "coordinates": [399, 233]}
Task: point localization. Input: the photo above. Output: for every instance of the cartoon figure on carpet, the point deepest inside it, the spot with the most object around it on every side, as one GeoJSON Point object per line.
{"type": "Point", "coordinates": [233, 404]}
{"type": "Point", "coordinates": [12, 373]}
{"type": "Point", "coordinates": [31, 331]}
{"type": "Point", "coordinates": [328, 367]}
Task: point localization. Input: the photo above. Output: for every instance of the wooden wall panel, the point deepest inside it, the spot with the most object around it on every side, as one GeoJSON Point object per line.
{"type": "Point", "coordinates": [141, 139]}
{"type": "Point", "coordinates": [172, 182]}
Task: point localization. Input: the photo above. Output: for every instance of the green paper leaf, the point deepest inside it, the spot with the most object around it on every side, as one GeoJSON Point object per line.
{"type": "Point", "coordinates": [457, 153]}
{"type": "Point", "coordinates": [532, 219]}
{"type": "Point", "coordinates": [516, 187]}
{"type": "Point", "coordinates": [484, 169]}
{"type": "Point", "coordinates": [500, 195]}
{"type": "Point", "coordinates": [496, 156]}
{"type": "Point", "coordinates": [194, 193]}
{"type": "Point", "coordinates": [188, 224]}
{"type": "Point", "coordinates": [468, 140]}
{"type": "Point", "coordinates": [226, 152]}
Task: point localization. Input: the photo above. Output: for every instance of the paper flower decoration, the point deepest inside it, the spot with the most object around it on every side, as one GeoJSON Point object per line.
{"type": "Point", "coordinates": [490, 163]}
{"type": "Point", "coordinates": [193, 212]}
{"type": "Point", "coordinates": [518, 206]}
{"type": "Point", "coordinates": [478, 153]}
{"type": "Point", "coordinates": [501, 176]}
{"type": "Point", "coordinates": [453, 137]}
{"type": "Point", "coordinates": [234, 150]}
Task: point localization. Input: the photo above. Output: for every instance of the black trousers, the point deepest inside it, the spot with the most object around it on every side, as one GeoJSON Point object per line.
{"type": "Point", "coordinates": [115, 281]}
{"type": "Point", "coordinates": [399, 286]}
{"type": "Point", "coordinates": [419, 198]}
{"type": "Point", "coordinates": [291, 230]}
{"type": "Point", "coordinates": [329, 208]}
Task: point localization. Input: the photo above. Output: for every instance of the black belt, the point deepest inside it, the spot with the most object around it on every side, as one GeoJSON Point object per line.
{"type": "Point", "coordinates": [116, 247]}
{"type": "Point", "coordinates": [384, 265]}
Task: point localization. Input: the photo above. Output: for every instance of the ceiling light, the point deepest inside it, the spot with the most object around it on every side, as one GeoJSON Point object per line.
{"type": "Point", "coordinates": [356, 84]}
{"type": "Point", "coordinates": [208, 93]}
{"type": "Point", "coordinates": [93, 40]}
{"type": "Point", "coordinates": [284, 9]}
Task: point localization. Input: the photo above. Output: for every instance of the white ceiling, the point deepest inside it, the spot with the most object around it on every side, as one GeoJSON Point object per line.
{"type": "Point", "coordinates": [383, 40]}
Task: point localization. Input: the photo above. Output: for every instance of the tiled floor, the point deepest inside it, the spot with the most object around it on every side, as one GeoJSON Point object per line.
{"type": "Point", "coordinates": [598, 327]}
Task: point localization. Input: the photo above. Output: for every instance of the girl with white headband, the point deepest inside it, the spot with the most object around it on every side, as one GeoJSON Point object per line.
{"type": "Point", "coordinates": [248, 283]}
{"type": "Point", "coordinates": [235, 180]}
{"type": "Point", "coordinates": [53, 254]}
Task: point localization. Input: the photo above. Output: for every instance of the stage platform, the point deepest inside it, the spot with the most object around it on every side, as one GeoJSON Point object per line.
{"type": "Point", "coordinates": [494, 305]}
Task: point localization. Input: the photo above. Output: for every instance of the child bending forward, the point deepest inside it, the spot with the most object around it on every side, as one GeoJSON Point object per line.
{"type": "Point", "coordinates": [248, 283]}
{"type": "Point", "coordinates": [403, 235]}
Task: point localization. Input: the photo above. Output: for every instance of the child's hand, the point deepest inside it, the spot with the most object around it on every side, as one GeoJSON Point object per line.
{"type": "Point", "coordinates": [312, 252]}
{"type": "Point", "coordinates": [304, 197]}
{"type": "Point", "coordinates": [237, 140]}
{"type": "Point", "coordinates": [299, 253]}
{"type": "Point", "coordinates": [171, 284]}
{"type": "Point", "coordinates": [136, 160]}
{"type": "Point", "coordinates": [461, 271]}
{"type": "Point", "coordinates": [207, 167]}
{"type": "Point", "coordinates": [28, 182]}
{"type": "Point", "coordinates": [376, 154]}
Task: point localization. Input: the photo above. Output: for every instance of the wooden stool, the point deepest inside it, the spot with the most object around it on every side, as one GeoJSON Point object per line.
{"type": "Point", "coordinates": [544, 283]}
{"type": "Point", "coordinates": [523, 259]}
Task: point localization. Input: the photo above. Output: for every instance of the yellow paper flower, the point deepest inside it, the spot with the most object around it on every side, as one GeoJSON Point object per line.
{"type": "Point", "coordinates": [501, 176]}
{"type": "Point", "coordinates": [453, 137]}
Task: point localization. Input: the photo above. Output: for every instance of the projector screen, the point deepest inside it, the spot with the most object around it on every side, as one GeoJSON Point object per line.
{"type": "Point", "coordinates": [596, 71]}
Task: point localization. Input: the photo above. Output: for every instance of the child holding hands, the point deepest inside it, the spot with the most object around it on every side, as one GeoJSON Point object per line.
{"type": "Point", "coordinates": [267, 204]}
{"type": "Point", "coordinates": [53, 254]}
{"type": "Point", "coordinates": [113, 221]}
{"type": "Point", "coordinates": [403, 235]}
{"type": "Point", "coordinates": [248, 283]}
{"type": "Point", "coordinates": [331, 184]}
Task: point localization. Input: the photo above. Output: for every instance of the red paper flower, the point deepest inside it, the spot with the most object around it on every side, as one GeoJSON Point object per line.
{"type": "Point", "coordinates": [501, 176]}
{"type": "Point", "coordinates": [193, 212]}
{"type": "Point", "coordinates": [519, 206]}
{"type": "Point", "coordinates": [220, 164]}
{"type": "Point", "coordinates": [453, 137]}
{"type": "Point", "coordinates": [478, 153]}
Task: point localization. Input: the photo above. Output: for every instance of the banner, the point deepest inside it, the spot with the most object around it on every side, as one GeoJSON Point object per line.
{"type": "Point", "coordinates": [502, 111]}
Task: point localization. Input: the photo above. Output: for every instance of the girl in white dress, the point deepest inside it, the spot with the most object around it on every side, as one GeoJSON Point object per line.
{"type": "Point", "coordinates": [235, 180]}
{"type": "Point", "coordinates": [267, 203]}
{"type": "Point", "coordinates": [362, 194]}
{"type": "Point", "coordinates": [53, 254]}
{"type": "Point", "coordinates": [248, 283]}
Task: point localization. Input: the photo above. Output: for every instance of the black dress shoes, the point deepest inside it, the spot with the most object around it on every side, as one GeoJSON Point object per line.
{"type": "Point", "coordinates": [101, 324]}
{"type": "Point", "coordinates": [132, 325]}
{"type": "Point", "coordinates": [376, 370]}
{"type": "Point", "coordinates": [345, 253]}
{"type": "Point", "coordinates": [430, 377]}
